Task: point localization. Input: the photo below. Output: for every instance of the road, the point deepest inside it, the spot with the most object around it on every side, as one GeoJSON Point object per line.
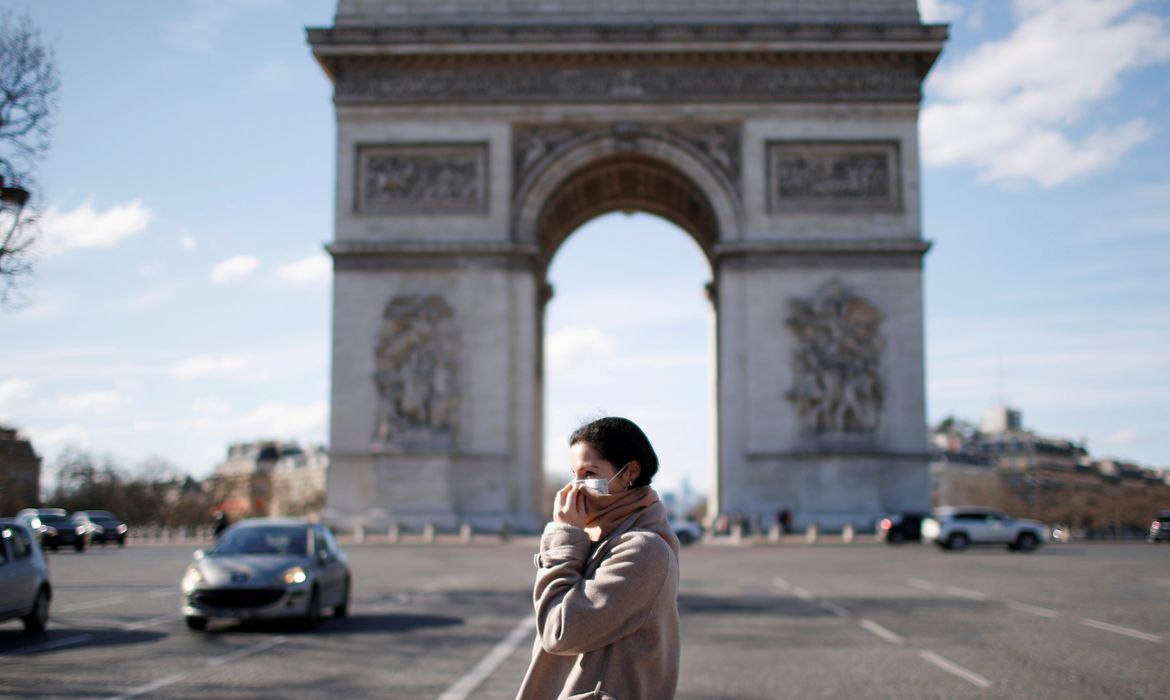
{"type": "Point", "coordinates": [447, 622]}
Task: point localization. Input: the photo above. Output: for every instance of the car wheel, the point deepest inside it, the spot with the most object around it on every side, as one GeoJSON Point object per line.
{"type": "Point", "coordinates": [895, 537]}
{"type": "Point", "coordinates": [197, 623]}
{"type": "Point", "coordinates": [313, 612]}
{"type": "Point", "coordinates": [342, 609]}
{"type": "Point", "coordinates": [957, 542]}
{"type": "Point", "coordinates": [685, 538]}
{"type": "Point", "coordinates": [80, 546]}
{"type": "Point", "coordinates": [1026, 542]}
{"type": "Point", "coordinates": [37, 618]}
{"type": "Point", "coordinates": [121, 541]}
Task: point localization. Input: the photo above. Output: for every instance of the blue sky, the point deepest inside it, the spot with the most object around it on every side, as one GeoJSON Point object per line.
{"type": "Point", "coordinates": [182, 298]}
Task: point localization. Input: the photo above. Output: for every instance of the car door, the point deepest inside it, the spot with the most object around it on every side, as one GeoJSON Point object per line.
{"type": "Point", "coordinates": [974, 524]}
{"type": "Point", "coordinates": [999, 528]}
{"type": "Point", "coordinates": [332, 571]}
{"type": "Point", "coordinates": [9, 576]}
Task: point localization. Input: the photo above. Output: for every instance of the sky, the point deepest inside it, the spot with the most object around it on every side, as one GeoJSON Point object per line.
{"type": "Point", "coordinates": [182, 297]}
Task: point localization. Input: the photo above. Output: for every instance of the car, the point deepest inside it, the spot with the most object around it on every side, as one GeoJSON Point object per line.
{"type": "Point", "coordinates": [1160, 528]}
{"type": "Point", "coordinates": [901, 527]}
{"type": "Point", "coordinates": [687, 531]}
{"type": "Point", "coordinates": [103, 526]}
{"type": "Point", "coordinates": [266, 568]}
{"type": "Point", "coordinates": [25, 592]}
{"type": "Point", "coordinates": [956, 528]}
{"type": "Point", "coordinates": [56, 528]}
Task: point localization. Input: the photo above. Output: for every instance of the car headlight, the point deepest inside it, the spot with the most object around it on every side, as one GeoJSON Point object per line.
{"type": "Point", "coordinates": [294, 576]}
{"type": "Point", "coordinates": [50, 531]}
{"type": "Point", "coordinates": [80, 529]}
{"type": "Point", "coordinates": [192, 578]}
{"type": "Point", "coordinates": [122, 528]}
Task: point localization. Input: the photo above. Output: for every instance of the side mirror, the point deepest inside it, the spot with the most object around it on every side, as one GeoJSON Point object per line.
{"type": "Point", "coordinates": [323, 556]}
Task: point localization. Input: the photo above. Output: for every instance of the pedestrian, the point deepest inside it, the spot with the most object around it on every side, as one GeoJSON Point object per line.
{"type": "Point", "coordinates": [219, 523]}
{"type": "Point", "coordinates": [606, 593]}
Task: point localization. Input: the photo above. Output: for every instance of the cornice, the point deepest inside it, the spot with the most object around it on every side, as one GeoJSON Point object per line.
{"type": "Point", "coordinates": [788, 246]}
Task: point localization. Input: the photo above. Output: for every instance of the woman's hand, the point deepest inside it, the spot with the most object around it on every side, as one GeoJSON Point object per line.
{"type": "Point", "coordinates": [569, 505]}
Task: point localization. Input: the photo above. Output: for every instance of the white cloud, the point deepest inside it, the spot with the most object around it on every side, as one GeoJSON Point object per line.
{"type": "Point", "coordinates": [234, 269]}
{"type": "Point", "coordinates": [310, 270]}
{"type": "Point", "coordinates": [199, 30]}
{"type": "Point", "coordinates": [1017, 109]}
{"type": "Point", "coordinates": [46, 440]}
{"type": "Point", "coordinates": [934, 11]}
{"type": "Point", "coordinates": [284, 420]}
{"type": "Point", "coordinates": [93, 403]}
{"type": "Point", "coordinates": [187, 242]}
{"type": "Point", "coordinates": [87, 227]}
{"type": "Point", "coordinates": [578, 346]}
{"type": "Point", "coordinates": [1124, 436]}
{"type": "Point", "coordinates": [13, 392]}
{"type": "Point", "coordinates": [211, 406]}
{"type": "Point", "coordinates": [201, 366]}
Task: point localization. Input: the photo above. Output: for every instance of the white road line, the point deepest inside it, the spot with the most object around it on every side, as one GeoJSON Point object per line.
{"type": "Point", "coordinates": [92, 604]}
{"type": "Point", "coordinates": [465, 686]}
{"type": "Point", "coordinates": [965, 593]}
{"type": "Point", "coordinates": [1118, 629]}
{"type": "Point", "coordinates": [953, 668]}
{"type": "Point", "coordinates": [164, 592]}
{"type": "Point", "coordinates": [801, 593]}
{"type": "Point", "coordinates": [220, 660]}
{"type": "Point", "coordinates": [147, 623]}
{"type": "Point", "coordinates": [254, 649]}
{"type": "Point", "coordinates": [1031, 609]}
{"type": "Point", "coordinates": [55, 644]}
{"type": "Point", "coordinates": [781, 584]}
{"type": "Point", "coordinates": [876, 629]}
{"type": "Point", "coordinates": [834, 608]}
{"type": "Point", "coordinates": [924, 585]}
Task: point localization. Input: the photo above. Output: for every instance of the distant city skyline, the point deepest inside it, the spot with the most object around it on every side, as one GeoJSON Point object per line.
{"type": "Point", "coordinates": [182, 297]}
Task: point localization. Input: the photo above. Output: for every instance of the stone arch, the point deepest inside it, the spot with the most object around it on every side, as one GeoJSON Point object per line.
{"type": "Point", "coordinates": [613, 174]}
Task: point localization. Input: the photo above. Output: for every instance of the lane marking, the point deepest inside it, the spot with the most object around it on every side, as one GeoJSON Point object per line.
{"type": "Point", "coordinates": [217, 661]}
{"type": "Point", "coordinates": [955, 669]}
{"type": "Point", "coordinates": [802, 593]}
{"type": "Point", "coordinates": [164, 592]}
{"type": "Point", "coordinates": [465, 686]}
{"type": "Point", "coordinates": [1118, 629]}
{"type": "Point", "coordinates": [781, 584]}
{"type": "Point", "coordinates": [55, 644]}
{"type": "Point", "coordinates": [248, 651]}
{"type": "Point", "coordinates": [834, 608]}
{"type": "Point", "coordinates": [147, 623]}
{"type": "Point", "coordinates": [1031, 609]}
{"type": "Point", "coordinates": [876, 629]}
{"type": "Point", "coordinates": [924, 585]}
{"type": "Point", "coordinates": [92, 604]}
{"type": "Point", "coordinates": [965, 593]}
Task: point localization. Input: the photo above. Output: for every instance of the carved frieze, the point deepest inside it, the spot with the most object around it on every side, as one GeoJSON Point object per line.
{"type": "Point", "coordinates": [833, 177]}
{"type": "Point", "coordinates": [416, 368]}
{"type": "Point", "coordinates": [535, 145]}
{"type": "Point", "coordinates": [656, 83]}
{"type": "Point", "coordinates": [422, 178]}
{"type": "Point", "coordinates": [838, 387]}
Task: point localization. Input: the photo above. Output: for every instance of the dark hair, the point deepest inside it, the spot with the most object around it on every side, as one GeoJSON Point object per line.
{"type": "Point", "coordinates": [620, 441]}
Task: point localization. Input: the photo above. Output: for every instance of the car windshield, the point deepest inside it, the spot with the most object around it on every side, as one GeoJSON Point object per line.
{"type": "Point", "coordinates": [277, 540]}
{"type": "Point", "coordinates": [55, 519]}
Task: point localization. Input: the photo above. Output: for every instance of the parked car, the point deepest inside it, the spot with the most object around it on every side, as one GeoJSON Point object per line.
{"type": "Point", "coordinates": [56, 528]}
{"type": "Point", "coordinates": [268, 568]}
{"type": "Point", "coordinates": [25, 592]}
{"type": "Point", "coordinates": [901, 527]}
{"type": "Point", "coordinates": [103, 526]}
{"type": "Point", "coordinates": [1160, 528]}
{"type": "Point", "coordinates": [955, 528]}
{"type": "Point", "coordinates": [687, 531]}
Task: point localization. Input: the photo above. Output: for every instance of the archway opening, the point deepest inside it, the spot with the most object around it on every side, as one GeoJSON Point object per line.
{"type": "Point", "coordinates": [629, 330]}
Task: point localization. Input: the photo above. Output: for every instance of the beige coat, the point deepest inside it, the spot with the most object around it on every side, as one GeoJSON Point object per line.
{"type": "Point", "coordinates": [620, 594]}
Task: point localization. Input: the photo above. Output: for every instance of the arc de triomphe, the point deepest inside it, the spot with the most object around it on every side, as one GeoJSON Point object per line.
{"type": "Point", "coordinates": [473, 136]}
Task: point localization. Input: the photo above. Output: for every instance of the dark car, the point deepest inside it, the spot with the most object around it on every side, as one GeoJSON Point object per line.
{"type": "Point", "coordinates": [55, 528]}
{"type": "Point", "coordinates": [1160, 528]}
{"type": "Point", "coordinates": [103, 526]}
{"type": "Point", "coordinates": [901, 527]}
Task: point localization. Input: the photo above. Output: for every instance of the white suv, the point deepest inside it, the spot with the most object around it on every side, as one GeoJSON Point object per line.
{"type": "Point", "coordinates": [955, 528]}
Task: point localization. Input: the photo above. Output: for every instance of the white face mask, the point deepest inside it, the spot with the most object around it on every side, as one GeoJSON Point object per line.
{"type": "Point", "coordinates": [600, 486]}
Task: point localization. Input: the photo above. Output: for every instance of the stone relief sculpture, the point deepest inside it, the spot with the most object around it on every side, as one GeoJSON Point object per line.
{"type": "Point", "coordinates": [832, 177]}
{"type": "Point", "coordinates": [430, 178]}
{"type": "Point", "coordinates": [838, 386]}
{"type": "Point", "coordinates": [416, 365]}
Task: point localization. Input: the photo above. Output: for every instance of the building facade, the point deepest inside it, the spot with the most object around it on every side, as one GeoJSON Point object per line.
{"type": "Point", "coordinates": [20, 473]}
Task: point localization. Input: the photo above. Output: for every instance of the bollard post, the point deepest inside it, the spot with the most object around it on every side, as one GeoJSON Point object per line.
{"type": "Point", "coordinates": [465, 533]}
{"type": "Point", "coordinates": [393, 534]}
{"type": "Point", "coordinates": [429, 533]}
{"type": "Point", "coordinates": [359, 532]}
{"type": "Point", "coordinates": [737, 533]}
{"type": "Point", "coordinates": [811, 532]}
{"type": "Point", "coordinates": [847, 533]}
{"type": "Point", "coordinates": [775, 533]}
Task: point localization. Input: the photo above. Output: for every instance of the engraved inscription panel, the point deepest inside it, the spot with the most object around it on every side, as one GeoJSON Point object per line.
{"type": "Point", "coordinates": [833, 177]}
{"type": "Point", "coordinates": [422, 179]}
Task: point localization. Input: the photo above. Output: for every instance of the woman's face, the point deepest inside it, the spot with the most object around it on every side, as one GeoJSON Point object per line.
{"type": "Point", "coordinates": [587, 463]}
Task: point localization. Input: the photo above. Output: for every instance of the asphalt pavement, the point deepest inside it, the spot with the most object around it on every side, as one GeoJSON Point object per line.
{"type": "Point", "coordinates": [452, 621]}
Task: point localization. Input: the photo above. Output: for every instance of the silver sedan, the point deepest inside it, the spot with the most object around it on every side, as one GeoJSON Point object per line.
{"type": "Point", "coordinates": [265, 568]}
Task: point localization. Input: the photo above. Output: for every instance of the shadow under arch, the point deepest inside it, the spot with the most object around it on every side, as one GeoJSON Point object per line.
{"type": "Point", "coordinates": [611, 173]}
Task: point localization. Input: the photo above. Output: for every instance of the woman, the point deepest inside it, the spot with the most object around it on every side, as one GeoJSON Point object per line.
{"type": "Point", "coordinates": [606, 591]}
